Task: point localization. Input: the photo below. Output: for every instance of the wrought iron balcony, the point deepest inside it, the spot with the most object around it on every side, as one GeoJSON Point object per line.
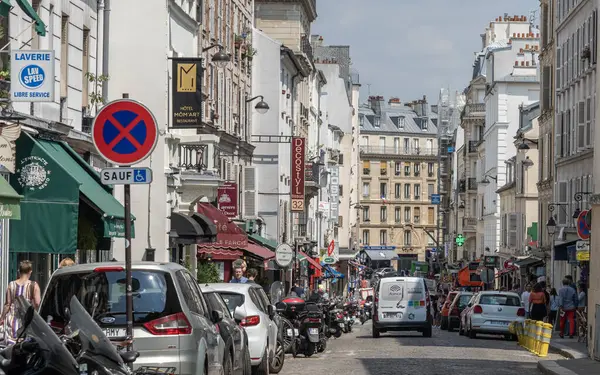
{"type": "Point", "coordinates": [462, 186]}
{"type": "Point", "coordinates": [306, 47]}
{"type": "Point", "coordinates": [472, 183]}
{"type": "Point", "coordinates": [473, 146]}
{"type": "Point", "coordinates": [382, 150]}
{"type": "Point", "coordinates": [475, 109]}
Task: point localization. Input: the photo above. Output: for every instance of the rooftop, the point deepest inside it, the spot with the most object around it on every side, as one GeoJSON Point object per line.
{"type": "Point", "coordinates": [379, 116]}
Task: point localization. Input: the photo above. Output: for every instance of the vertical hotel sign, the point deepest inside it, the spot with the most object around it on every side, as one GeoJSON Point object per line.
{"type": "Point", "coordinates": [298, 166]}
{"type": "Point", "coordinates": [334, 194]}
{"type": "Point", "coordinates": [187, 93]}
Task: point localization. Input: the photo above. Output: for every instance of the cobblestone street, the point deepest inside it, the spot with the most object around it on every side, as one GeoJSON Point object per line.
{"type": "Point", "coordinates": [411, 354]}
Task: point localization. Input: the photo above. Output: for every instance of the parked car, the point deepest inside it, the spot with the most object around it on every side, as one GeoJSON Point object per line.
{"type": "Point", "coordinates": [250, 307]}
{"type": "Point", "coordinates": [234, 336]}
{"type": "Point", "coordinates": [446, 309]}
{"type": "Point", "coordinates": [456, 307]}
{"type": "Point", "coordinates": [172, 325]}
{"type": "Point", "coordinates": [463, 315]}
{"type": "Point", "coordinates": [492, 312]}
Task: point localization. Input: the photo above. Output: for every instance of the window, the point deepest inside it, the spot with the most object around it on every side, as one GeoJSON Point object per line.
{"type": "Point", "coordinates": [366, 167]}
{"type": "Point", "coordinates": [562, 197]}
{"type": "Point", "coordinates": [581, 125]}
{"type": "Point", "coordinates": [382, 143]}
{"type": "Point", "coordinates": [396, 145]}
{"type": "Point", "coordinates": [406, 191]}
{"type": "Point", "coordinates": [341, 159]}
{"type": "Point", "coordinates": [406, 144]}
{"type": "Point", "coordinates": [416, 143]}
{"type": "Point", "coordinates": [417, 215]}
{"type": "Point", "coordinates": [366, 214]}
{"type": "Point", "coordinates": [397, 214]}
{"type": "Point", "coordinates": [383, 237]}
{"type": "Point", "coordinates": [430, 215]}
{"type": "Point", "coordinates": [366, 189]}
{"type": "Point", "coordinates": [341, 190]}
{"type": "Point", "coordinates": [398, 168]}
{"type": "Point", "coordinates": [407, 214]}
{"type": "Point", "coordinates": [383, 214]}
{"type": "Point", "coordinates": [190, 298]}
{"type": "Point", "coordinates": [430, 169]}
{"type": "Point", "coordinates": [35, 38]}
{"type": "Point", "coordinates": [546, 84]}
{"type": "Point", "coordinates": [429, 145]}
{"type": "Point", "coordinates": [64, 55]}
{"type": "Point", "coordinates": [430, 190]}
{"type": "Point", "coordinates": [362, 120]}
{"type": "Point", "coordinates": [383, 190]}
{"type": "Point", "coordinates": [407, 170]}
{"type": "Point", "coordinates": [364, 140]}
{"type": "Point", "coordinates": [407, 238]}
{"type": "Point", "coordinates": [397, 191]}
{"type": "Point", "coordinates": [417, 191]}
{"type": "Point", "coordinates": [401, 121]}
{"type": "Point", "coordinates": [365, 237]}
{"type": "Point", "coordinates": [383, 167]}
{"type": "Point", "coordinates": [417, 169]}
{"type": "Point", "coordinates": [588, 121]}
{"type": "Point", "coordinates": [377, 121]}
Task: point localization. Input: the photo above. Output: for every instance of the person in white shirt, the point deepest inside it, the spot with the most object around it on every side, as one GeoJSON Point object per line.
{"type": "Point", "coordinates": [525, 300]}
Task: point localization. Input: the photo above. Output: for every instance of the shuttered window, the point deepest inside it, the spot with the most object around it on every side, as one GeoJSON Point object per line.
{"type": "Point", "coordinates": [250, 191]}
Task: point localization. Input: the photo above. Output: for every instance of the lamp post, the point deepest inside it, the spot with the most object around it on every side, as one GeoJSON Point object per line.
{"type": "Point", "coordinates": [261, 107]}
{"type": "Point", "coordinates": [485, 180]}
{"type": "Point", "coordinates": [220, 58]}
{"type": "Point", "coordinates": [551, 228]}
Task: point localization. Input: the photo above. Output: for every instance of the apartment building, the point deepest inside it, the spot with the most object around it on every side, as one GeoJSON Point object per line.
{"type": "Point", "coordinates": [398, 169]}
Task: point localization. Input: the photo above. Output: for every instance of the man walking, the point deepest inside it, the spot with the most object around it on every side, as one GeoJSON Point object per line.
{"type": "Point", "coordinates": [238, 276]}
{"type": "Point", "coordinates": [567, 303]}
{"type": "Point", "coordinates": [252, 273]}
{"type": "Point", "coordinates": [525, 300]}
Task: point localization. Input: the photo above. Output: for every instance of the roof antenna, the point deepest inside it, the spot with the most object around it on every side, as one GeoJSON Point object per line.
{"type": "Point", "coordinates": [368, 89]}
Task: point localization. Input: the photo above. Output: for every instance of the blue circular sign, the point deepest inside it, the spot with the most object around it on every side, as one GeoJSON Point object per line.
{"type": "Point", "coordinates": [32, 76]}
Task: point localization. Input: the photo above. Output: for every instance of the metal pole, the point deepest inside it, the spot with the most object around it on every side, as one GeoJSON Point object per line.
{"type": "Point", "coordinates": [128, 281]}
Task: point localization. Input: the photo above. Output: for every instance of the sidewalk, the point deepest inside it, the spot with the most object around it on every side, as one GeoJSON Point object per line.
{"type": "Point", "coordinates": [578, 362]}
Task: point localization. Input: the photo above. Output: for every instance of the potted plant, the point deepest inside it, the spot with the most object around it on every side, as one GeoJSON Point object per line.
{"type": "Point", "coordinates": [250, 53]}
{"type": "Point", "coordinates": [5, 75]}
{"type": "Point", "coordinates": [238, 41]}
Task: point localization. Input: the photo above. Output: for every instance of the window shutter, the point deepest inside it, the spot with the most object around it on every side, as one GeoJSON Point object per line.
{"type": "Point", "coordinates": [558, 68]}
{"type": "Point", "coordinates": [341, 159]}
{"type": "Point", "coordinates": [588, 122]}
{"type": "Point", "coordinates": [561, 124]}
{"type": "Point", "coordinates": [250, 191]}
{"type": "Point", "coordinates": [562, 198]}
{"type": "Point", "coordinates": [512, 231]}
{"type": "Point", "coordinates": [546, 77]}
{"type": "Point", "coordinates": [581, 125]}
{"type": "Point", "coordinates": [594, 44]}
{"type": "Point", "coordinates": [503, 231]}
{"type": "Point", "coordinates": [521, 239]}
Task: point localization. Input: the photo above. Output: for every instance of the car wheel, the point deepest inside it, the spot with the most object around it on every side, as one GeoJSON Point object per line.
{"type": "Point", "coordinates": [263, 367]}
{"type": "Point", "coordinates": [278, 358]}
{"type": "Point", "coordinates": [472, 334]}
{"type": "Point", "coordinates": [247, 363]}
{"type": "Point", "coordinates": [227, 365]}
{"type": "Point", "coordinates": [427, 331]}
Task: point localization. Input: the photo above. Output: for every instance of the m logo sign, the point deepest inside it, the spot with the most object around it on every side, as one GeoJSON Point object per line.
{"type": "Point", "coordinates": [186, 77]}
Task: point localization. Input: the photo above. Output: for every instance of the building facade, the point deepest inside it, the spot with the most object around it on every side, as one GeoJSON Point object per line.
{"type": "Point", "coordinates": [398, 169]}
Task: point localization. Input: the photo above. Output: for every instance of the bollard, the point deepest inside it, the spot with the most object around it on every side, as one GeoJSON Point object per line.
{"type": "Point", "coordinates": [520, 333]}
{"type": "Point", "coordinates": [528, 334]}
{"type": "Point", "coordinates": [545, 340]}
{"type": "Point", "coordinates": [539, 326]}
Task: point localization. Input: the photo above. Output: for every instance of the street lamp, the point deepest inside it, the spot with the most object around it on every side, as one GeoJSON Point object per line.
{"type": "Point", "coordinates": [261, 107]}
{"type": "Point", "coordinates": [485, 180]}
{"type": "Point", "coordinates": [523, 147]}
{"type": "Point", "coordinates": [527, 162]}
{"type": "Point", "coordinates": [220, 58]}
{"type": "Point", "coordinates": [551, 226]}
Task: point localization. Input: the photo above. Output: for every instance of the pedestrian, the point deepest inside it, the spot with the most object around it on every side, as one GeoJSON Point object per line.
{"type": "Point", "coordinates": [537, 303]}
{"type": "Point", "coordinates": [22, 286]}
{"type": "Point", "coordinates": [525, 300]}
{"type": "Point", "coordinates": [67, 262]}
{"type": "Point", "coordinates": [298, 289]}
{"type": "Point", "coordinates": [238, 276]}
{"type": "Point", "coordinates": [571, 282]}
{"type": "Point", "coordinates": [567, 303]}
{"type": "Point", "coordinates": [553, 306]}
{"type": "Point", "coordinates": [581, 297]}
{"type": "Point", "coordinates": [251, 274]}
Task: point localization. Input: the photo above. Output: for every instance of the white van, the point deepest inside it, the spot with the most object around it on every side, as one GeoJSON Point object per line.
{"type": "Point", "coordinates": [402, 304]}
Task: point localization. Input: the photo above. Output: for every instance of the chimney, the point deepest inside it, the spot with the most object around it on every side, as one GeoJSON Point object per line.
{"type": "Point", "coordinates": [394, 103]}
{"type": "Point", "coordinates": [376, 103]}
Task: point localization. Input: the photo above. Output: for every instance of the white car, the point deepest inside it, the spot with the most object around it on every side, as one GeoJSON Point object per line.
{"type": "Point", "coordinates": [251, 308]}
{"type": "Point", "coordinates": [491, 312]}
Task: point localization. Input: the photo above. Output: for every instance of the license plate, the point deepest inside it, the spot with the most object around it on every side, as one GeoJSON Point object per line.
{"type": "Point", "coordinates": [499, 323]}
{"type": "Point", "coordinates": [342, 325]}
{"type": "Point", "coordinates": [313, 331]}
{"type": "Point", "coordinates": [115, 332]}
{"type": "Point", "coordinates": [289, 332]}
{"type": "Point", "coordinates": [391, 315]}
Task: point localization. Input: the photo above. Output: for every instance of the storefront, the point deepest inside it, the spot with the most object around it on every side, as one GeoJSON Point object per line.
{"type": "Point", "coordinates": [376, 257]}
{"type": "Point", "coordinates": [309, 270]}
{"type": "Point", "coordinates": [531, 270]}
{"type": "Point", "coordinates": [65, 210]}
{"type": "Point", "coordinates": [10, 210]}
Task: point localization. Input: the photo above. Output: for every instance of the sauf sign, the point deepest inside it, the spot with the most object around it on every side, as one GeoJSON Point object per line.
{"type": "Point", "coordinates": [297, 191]}
{"type": "Point", "coordinates": [32, 76]}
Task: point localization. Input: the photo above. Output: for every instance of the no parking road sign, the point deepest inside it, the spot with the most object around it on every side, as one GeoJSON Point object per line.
{"type": "Point", "coordinates": [125, 132]}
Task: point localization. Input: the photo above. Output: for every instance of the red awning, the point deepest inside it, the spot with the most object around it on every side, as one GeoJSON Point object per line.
{"type": "Point", "coordinates": [221, 254]}
{"type": "Point", "coordinates": [310, 260]}
{"type": "Point", "coordinates": [229, 235]}
{"type": "Point", "coordinates": [260, 251]}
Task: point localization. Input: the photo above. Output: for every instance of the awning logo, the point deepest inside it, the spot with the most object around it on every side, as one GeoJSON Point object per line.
{"type": "Point", "coordinates": [33, 173]}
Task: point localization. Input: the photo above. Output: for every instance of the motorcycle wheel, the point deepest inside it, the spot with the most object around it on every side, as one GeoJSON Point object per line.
{"type": "Point", "coordinates": [322, 346]}
{"type": "Point", "coordinates": [350, 328]}
{"type": "Point", "coordinates": [288, 341]}
{"type": "Point", "coordinates": [338, 333]}
{"type": "Point", "coordinates": [311, 348]}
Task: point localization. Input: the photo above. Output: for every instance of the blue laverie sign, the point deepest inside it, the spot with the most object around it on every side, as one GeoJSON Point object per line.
{"type": "Point", "coordinates": [32, 76]}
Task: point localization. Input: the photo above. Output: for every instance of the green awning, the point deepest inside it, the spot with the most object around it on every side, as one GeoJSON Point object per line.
{"type": "Point", "coordinates": [10, 207]}
{"type": "Point", "coordinates": [52, 179]}
{"type": "Point", "coordinates": [270, 244]}
{"type": "Point", "coordinates": [40, 26]}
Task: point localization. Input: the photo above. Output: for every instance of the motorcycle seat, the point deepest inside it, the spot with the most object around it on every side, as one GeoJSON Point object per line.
{"type": "Point", "coordinates": [129, 357]}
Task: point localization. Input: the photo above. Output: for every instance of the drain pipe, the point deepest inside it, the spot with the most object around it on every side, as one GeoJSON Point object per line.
{"type": "Point", "coordinates": [105, 50]}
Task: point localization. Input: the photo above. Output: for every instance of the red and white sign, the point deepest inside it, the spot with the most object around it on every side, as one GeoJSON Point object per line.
{"type": "Point", "coordinates": [124, 132]}
{"type": "Point", "coordinates": [331, 248]}
{"type": "Point", "coordinates": [298, 177]}
{"type": "Point", "coordinates": [227, 199]}
{"type": "Point", "coordinates": [583, 231]}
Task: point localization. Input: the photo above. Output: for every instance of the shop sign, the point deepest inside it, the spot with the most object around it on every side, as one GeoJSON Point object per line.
{"type": "Point", "coordinates": [583, 251]}
{"type": "Point", "coordinates": [491, 261]}
{"type": "Point", "coordinates": [187, 93]}
{"type": "Point", "coordinates": [32, 76]}
{"type": "Point", "coordinates": [334, 193]}
{"type": "Point", "coordinates": [33, 173]}
{"type": "Point", "coordinates": [298, 176]}
{"type": "Point", "coordinates": [8, 135]}
{"type": "Point", "coordinates": [227, 199]}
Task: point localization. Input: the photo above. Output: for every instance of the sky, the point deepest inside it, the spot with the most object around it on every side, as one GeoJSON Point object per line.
{"type": "Point", "coordinates": [411, 48]}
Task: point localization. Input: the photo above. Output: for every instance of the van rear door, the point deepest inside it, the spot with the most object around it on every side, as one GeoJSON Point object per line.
{"type": "Point", "coordinates": [402, 299]}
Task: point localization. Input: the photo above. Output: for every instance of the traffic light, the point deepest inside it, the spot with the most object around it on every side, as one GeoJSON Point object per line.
{"type": "Point", "coordinates": [460, 240]}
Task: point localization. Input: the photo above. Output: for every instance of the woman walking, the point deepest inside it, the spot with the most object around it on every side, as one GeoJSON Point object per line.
{"type": "Point", "coordinates": [22, 286]}
{"type": "Point", "coordinates": [537, 303]}
{"type": "Point", "coordinates": [553, 306]}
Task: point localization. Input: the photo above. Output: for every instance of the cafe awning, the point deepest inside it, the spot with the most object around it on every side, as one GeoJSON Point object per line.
{"type": "Point", "coordinates": [303, 256]}
{"type": "Point", "coordinates": [260, 251]}
{"type": "Point", "coordinates": [188, 230]}
{"type": "Point", "coordinates": [10, 207]}
{"type": "Point", "coordinates": [228, 234]}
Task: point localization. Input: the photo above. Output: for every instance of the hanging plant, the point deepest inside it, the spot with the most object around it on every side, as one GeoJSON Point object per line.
{"type": "Point", "coordinates": [87, 238]}
{"type": "Point", "coordinates": [5, 75]}
{"type": "Point", "coordinates": [208, 273]}
{"type": "Point", "coordinates": [238, 41]}
{"type": "Point", "coordinates": [250, 53]}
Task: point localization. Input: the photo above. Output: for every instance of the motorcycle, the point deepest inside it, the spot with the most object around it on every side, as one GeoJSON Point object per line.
{"type": "Point", "coordinates": [38, 350]}
{"type": "Point", "coordinates": [306, 318]}
{"type": "Point", "coordinates": [332, 324]}
{"type": "Point", "coordinates": [366, 312]}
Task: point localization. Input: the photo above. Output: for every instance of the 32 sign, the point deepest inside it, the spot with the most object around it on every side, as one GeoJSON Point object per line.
{"type": "Point", "coordinates": [297, 204]}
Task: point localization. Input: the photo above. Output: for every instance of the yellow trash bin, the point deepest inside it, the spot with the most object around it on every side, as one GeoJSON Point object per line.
{"type": "Point", "coordinates": [539, 326]}
{"type": "Point", "coordinates": [545, 340]}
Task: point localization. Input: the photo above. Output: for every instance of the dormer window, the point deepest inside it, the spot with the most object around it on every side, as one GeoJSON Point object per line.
{"type": "Point", "coordinates": [424, 124]}
{"type": "Point", "coordinates": [362, 120]}
{"type": "Point", "coordinates": [376, 122]}
{"type": "Point", "coordinates": [401, 120]}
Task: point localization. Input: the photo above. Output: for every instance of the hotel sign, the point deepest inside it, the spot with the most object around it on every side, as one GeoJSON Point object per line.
{"type": "Point", "coordinates": [187, 93]}
{"type": "Point", "coordinates": [298, 176]}
{"type": "Point", "coordinates": [334, 193]}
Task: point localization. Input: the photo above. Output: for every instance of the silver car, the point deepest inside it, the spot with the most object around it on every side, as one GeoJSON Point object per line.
{"type": "Point", "coordinates": [250, 306]}
{"type": "Point", "coordinates": [172, 323]}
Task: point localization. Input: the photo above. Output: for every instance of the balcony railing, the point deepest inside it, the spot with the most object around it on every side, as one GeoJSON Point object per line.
{"type": "Point", "coordinates": [307, 48]}
{"type": "Point", "coordinates": [475, 109]}
{"type": "Point", "coordinates": [462, 186]}
{"type": "Point", "coordinates": [469, 222]}
{"type": "Point", "coordinates": [472, 183]}
{"type": "Point", "coordinates": [473, 146]}
{"type": "Point", "coordinates": [382, 150]}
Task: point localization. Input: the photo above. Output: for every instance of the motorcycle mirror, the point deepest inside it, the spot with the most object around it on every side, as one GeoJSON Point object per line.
{"type": "Point", "coordinates": [280, 307]}
{"type": "Point", "coordinates": [67, 313]}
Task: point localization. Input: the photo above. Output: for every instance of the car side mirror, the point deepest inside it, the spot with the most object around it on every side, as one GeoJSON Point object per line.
{"type": "Point", "coordinates": [271, 310]}
{"type": "Point", "coordinates": [216, 316]}
{"type": "Point", "coordinates": [470, 305]}
{"type": "Point", "coordinates": [239, 314]}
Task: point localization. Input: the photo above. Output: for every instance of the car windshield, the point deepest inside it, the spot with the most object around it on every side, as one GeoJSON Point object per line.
{"type": "Point", "coordinates": [154, 295]}
{"type": "Point", "coordinates": [464, 300]}
{"type": "Point", "coordinates": [232, 300]}
{"type": "Point", "coordinates": [499, 300]}
{"type": "Point", "coordinates": [54, 351]}
{"type": "Point", "coordinates": [91, 336]}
